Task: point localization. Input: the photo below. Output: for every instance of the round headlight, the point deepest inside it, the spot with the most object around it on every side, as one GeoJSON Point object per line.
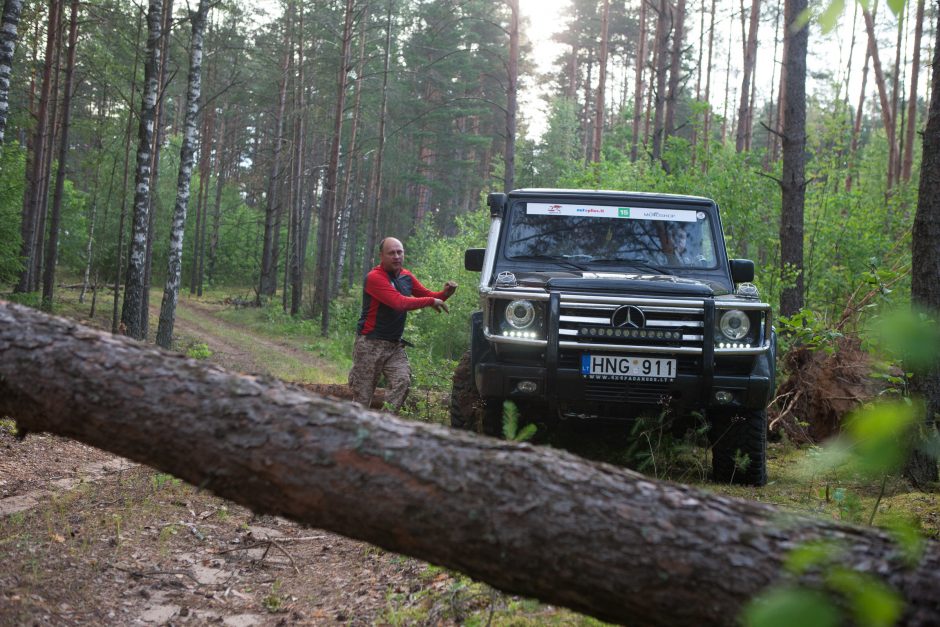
{"type": "Point", "coordinates": [735, 324]}
{"type": "Point", "coordinates": [520, 314]}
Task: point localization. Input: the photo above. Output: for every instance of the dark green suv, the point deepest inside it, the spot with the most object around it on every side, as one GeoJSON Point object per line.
{"type": "Point", "coordinates": [598, 305]}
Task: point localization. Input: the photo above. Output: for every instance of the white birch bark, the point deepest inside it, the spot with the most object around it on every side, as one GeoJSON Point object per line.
{"type": "Point", "coordinates": [8, 25]}
{"type": "Point", "coordinates": [187, 150]}
{"type": "Point", "coordinates": [134, 285]}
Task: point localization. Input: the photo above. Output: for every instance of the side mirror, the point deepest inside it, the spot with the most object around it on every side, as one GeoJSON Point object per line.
{"type": "Point", "coordinates": [742, 270]}
{"type": "Point", "coordinates": [473, 259]}
{"type": "Point", "coordinates": [496, 202]}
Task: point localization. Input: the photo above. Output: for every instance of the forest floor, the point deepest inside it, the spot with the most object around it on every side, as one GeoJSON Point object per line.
{"type": "Point", "coordinates": [89, 538]}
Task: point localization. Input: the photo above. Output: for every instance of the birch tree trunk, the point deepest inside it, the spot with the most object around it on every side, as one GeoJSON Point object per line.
{"type": "Point", "coordinates": [175, 256]}
{"type": "Point", "coordinates": [9, 23]}
{"type": "Point", "coordinates": [162, 83]}
{"type": "Point", "coordinates": [131, 313]}
{"type": "Point", "coordinates": [115, 326]}
{"type": "Point", "coordinates": [530, 520]}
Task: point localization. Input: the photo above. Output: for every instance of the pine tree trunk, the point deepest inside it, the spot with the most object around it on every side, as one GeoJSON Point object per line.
{"type": "Point", "coordinates": [925, 268]}
{"type": "Point", "coordinates": [675, 69]}
{"type": "Point", "coordinates": [326, 232]}
{"type": "Point", "coordinates": [530, 520]}
{"type": "Point", "coordinates": [886, 118]}
{"type": "Point", "coordinates": [750, 60]}
{"type": "Point", "coordinates": [30, 223]}
{"type": "Point", "coordinates": [376, 184]}
{"type": "Point", "coordinates": [907, 163]}
{"type": "Point", "coordinates": [9, 23]}
{"type": "Point", "coordinates": [601, 85]}
{"type": "Point", "coordinates": [639, 86]}
{"type": "Point", "coordinates": [793, 183]}
{"type": "Point", "coordinates": [52, 247]}
{"type": "Point", "coordinates": [221, 178]}
{"type": "Point", "coordinates": [707, 127]}
{"type": "Point", "coordinates": [663, 28]}
{"type": "Point", "coordinates": [184, 178]}
{"type": "Point", "coordinates": [512, 79]}
{"type": "Point", "coordinates": [267, 284]}
{"type": "Point", "coordinates": [131, 314]}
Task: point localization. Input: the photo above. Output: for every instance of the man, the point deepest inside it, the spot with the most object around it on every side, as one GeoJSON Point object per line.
{"type": "Point", "coordinates": [388, 293]}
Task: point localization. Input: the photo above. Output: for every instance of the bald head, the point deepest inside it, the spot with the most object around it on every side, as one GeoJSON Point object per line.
{"type": "Point", "coordinates": [391, 255]}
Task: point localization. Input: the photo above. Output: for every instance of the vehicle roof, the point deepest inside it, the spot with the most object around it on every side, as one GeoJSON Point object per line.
{"type": "Point", "coordinates": [608, 194]}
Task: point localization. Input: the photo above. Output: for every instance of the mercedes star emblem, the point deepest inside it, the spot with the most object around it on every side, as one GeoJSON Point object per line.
{"type": "Point", "coordinates": [629, 317]}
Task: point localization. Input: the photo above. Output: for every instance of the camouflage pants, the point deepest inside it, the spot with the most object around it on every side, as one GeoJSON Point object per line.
{"type": "Point", "coordinates": [372, 358]}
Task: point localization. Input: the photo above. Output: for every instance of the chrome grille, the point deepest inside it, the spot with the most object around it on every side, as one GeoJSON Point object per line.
{"type": "Point", "coordinates": [672, 326]}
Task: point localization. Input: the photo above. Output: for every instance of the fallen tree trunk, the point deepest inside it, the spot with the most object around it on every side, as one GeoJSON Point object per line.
{"type": "Point", "coordinates": [528, 520]}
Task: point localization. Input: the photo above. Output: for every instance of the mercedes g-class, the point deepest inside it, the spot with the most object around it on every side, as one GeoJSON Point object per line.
{"type": "Point", "coordinates": [604, 305]}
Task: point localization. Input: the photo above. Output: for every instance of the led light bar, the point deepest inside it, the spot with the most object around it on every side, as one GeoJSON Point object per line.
{"type": "Point", "coordinates": [633, 334]}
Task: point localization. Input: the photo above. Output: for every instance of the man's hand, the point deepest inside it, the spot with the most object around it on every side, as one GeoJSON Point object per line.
{"type": "Point", "coordinates": [449, 288]}
{"type": "Point", "coordinates": [440, 305]}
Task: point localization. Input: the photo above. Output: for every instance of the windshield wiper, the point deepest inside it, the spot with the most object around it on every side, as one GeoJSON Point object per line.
{"type": "Point", "coordinates": [558, 259]}
{"type": "Point", "coordinates": [635, 261]}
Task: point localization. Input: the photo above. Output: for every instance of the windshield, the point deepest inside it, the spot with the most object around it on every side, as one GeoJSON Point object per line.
{"type": "Point", "coordinates": [642, 238]}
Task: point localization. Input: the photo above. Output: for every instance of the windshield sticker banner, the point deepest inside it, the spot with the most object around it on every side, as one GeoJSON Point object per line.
{"type": "Point", "coordinates": [628, 213]}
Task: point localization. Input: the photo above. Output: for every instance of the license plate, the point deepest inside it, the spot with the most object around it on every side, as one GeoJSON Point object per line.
{"type": "Point", "coordinates": [627, 368]}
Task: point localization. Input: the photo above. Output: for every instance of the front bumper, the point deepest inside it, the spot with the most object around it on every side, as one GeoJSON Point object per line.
{"type": "Point", "coordinates": [567, 387]}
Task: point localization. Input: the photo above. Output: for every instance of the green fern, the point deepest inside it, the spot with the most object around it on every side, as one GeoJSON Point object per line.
{"type": "Point", "coordinates": [511, 429]}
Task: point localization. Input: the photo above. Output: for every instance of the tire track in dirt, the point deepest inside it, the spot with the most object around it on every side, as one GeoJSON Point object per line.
{"type": "Point", "coordinates": [237, 348]}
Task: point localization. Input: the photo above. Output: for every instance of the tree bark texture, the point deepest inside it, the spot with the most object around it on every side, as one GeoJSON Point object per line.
{"type": "Point", "coordinates": [267, 284]}
{"type": "Point", "coordinates": [136, 265]}
{"type": "Point", "coordinates": [327, 226]}
{"type": "Point", "coordinates": [925, 262]}
{"type": "Point", "coordinates": [159, 113]}
{"type": "Point", "coordinates": [639, 86]}
{"type": "Point", "coordinates": [675, 72]}
{"type": "Point", "coordinates": [184, 178]}
{"type": "Point", "coordinates": [55, 220]}
{"type": "Point", "coordinates": [8, 25]}
{"type": "Point", "coordinates": [907, 162]}
{"type": "Point", "coordinates": [30, 230]}
{"type": "Point", "coordinates": [660, 69]}
{"type": "Point", "coordinates": [750, 61]}
{"type": "Point", "coordinates": [601, 85]}
{"type": "Point", "coordinates": [529, 520]}
{"type": "Point", "coordinates": [127, 151]}
{"type": "Point", "coordinates": [793, 183]}
{"type": "Point", "coordinates": [885, 102]}
{"type": "Point", "coordinates": [512, 80]}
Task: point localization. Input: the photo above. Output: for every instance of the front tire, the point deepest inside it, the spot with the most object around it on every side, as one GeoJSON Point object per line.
{"type": "Point", "coordinates": [739, 446]}
{"type": "Point", "coordinates": [468, 411]}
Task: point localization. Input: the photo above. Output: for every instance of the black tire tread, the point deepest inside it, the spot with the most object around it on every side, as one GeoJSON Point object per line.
{"type": "Point", "coordinates": [734, 431]}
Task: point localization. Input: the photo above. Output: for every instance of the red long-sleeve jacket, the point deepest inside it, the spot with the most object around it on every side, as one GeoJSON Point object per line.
{"type": "Point", "coordinates": [387, 298]}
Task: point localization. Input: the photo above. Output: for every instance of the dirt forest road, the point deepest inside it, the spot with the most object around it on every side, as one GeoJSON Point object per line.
{"type": "Point", "coordinates": [87, 538]}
